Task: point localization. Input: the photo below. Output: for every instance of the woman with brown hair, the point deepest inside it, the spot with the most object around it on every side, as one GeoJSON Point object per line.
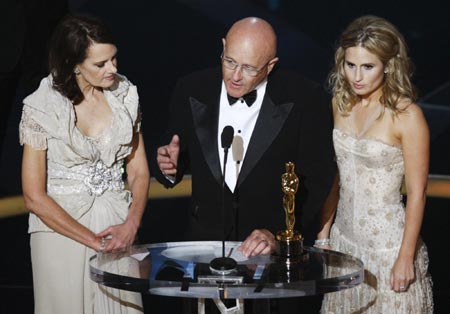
{"type": "Point", "coordinates": [81, 132]}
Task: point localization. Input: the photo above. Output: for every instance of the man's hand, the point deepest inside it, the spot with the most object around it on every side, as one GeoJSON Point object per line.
{"type": "Point", "coordinates": [168, 156]}
{"type": "Point", "coordinates": [260, 241]}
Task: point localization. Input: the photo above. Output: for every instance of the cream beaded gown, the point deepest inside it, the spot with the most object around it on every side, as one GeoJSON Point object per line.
{"type": "Point", "coordinates": [369, 225]}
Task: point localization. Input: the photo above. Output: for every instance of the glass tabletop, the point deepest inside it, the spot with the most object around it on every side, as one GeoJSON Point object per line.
{"type": "Point", "coordinates": [182, 269]}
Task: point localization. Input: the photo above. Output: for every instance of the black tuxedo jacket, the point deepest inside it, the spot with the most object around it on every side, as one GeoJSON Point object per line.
{"type": "Point", "coordinates": [294, 124]}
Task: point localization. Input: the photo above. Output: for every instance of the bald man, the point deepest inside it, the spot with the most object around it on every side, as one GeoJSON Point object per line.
{"type": "Point", "coordinates": [288, 119]}
{"type": "Point", "coordinates": [277, 117]}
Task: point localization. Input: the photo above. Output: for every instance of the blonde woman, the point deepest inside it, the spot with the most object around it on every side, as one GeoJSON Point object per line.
{"type": "Point", "coordinates": [381, 138]}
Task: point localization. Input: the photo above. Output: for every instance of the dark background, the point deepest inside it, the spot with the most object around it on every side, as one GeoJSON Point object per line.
{"type": "Point", "coordinates": [159, 41]}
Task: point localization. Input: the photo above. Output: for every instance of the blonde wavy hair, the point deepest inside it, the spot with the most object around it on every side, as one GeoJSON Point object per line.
{"type": "Point", "coordinates": [382, 39]}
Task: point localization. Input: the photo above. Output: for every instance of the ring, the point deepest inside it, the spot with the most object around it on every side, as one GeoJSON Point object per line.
{"type": "Point", "coordinates": [402, 287]}
{"type": "Point", "coordinates": [102, 244]}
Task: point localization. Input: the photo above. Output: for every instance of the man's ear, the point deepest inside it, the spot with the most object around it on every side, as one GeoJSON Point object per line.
{"type": "Point", "coordinates": [272, 64]}
{"type": "Point", "coordinates": [224, 43]}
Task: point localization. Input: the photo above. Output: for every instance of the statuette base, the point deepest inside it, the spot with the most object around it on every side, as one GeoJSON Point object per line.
{"type": "Point", "coordinates": [290, 244]}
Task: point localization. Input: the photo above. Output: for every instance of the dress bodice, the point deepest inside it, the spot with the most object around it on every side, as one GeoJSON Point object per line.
{"type": "Point", "coordinates": [370, 202]}
{"type": "Point", "coordinates": [81, 169]}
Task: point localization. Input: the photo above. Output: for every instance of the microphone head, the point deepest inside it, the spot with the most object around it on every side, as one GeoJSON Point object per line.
{"type": "Point", "coordinates": [238, 148]}
{"type": "Point", "coordinates": [227, 136]}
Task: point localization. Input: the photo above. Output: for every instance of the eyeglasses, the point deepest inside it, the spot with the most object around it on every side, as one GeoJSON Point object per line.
{"type": "Point", "coordinates": [247, 69]}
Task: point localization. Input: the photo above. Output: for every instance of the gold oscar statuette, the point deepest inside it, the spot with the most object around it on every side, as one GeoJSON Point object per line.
{"type": "Point", "coordinates": [290, 240]}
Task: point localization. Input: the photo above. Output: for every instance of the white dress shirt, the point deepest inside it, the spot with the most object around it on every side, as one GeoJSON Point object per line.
{"type": "Point", "coordinates": [243, 119]}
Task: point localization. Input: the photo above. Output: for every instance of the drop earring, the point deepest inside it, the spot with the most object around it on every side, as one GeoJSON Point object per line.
{"type": "Point", "coordinates": [76, 71]}
{"type": "Point", "coordinates": [385, 71]}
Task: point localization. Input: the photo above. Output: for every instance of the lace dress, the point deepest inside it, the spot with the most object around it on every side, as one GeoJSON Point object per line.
{"type": "Point", "coordinates": [369, 225]}
{"type": "Point", "coordinates": [84, 176]}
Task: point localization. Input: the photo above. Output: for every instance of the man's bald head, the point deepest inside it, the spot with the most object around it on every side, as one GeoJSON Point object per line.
{"type": "Point", "coordinates": [249, 55]}
{"type": "Point", "coordinates": [254, 31]}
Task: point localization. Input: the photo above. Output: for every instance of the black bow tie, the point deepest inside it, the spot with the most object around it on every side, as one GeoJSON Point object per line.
{"type": "Point", "coordinates": [249, 98]}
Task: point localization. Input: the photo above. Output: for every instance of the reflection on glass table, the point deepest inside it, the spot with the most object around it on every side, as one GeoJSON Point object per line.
{"type": "Point", "coordinates": [181, 269]}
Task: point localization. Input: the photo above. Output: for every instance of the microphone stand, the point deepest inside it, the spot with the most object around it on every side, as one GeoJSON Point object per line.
{"type": "Point", "coordinates": [224, 265]}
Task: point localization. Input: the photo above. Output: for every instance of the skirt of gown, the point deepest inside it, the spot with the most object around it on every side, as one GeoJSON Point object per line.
{"type": "Point", "coordinates": [61, 275]}
{"type": "Point", "coordinates": [374, 295]}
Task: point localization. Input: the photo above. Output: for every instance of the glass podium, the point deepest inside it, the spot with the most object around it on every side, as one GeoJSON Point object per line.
{"type": "Point", "coordinates": [181, 269]}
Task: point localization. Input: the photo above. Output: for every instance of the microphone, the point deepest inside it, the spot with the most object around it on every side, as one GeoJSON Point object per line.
{"type": "Point", "coordinates": [238, 148]}
{"type": "Point", "coordinates": [224, 265]}
{"type": "Point", "coordinates": [238, 153]}
{"type": "Point", "coordinates": [227, 138]}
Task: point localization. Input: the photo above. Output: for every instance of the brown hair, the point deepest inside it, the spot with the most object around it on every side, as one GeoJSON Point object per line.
{"type": "Point", "coordinates": [69, 46]}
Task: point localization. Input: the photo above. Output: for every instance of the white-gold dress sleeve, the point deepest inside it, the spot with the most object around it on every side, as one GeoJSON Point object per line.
{"type": "Point", "coordinates": [30, 132]}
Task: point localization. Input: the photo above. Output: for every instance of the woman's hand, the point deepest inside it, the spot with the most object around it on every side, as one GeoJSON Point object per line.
{"type": "Point", "coordinates": [119, 236]}
{"type": "Point", "coordinates": [402, 274]}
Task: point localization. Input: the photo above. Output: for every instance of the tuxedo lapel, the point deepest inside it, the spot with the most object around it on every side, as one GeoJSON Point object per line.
{"type": "Point", "coordinates": [270, 121]}
{"type": "Point", "coordinates": [205, 118]}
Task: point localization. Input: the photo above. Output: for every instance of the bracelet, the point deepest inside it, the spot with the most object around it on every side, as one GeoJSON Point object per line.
{"type": "Point", "coordinates": [102, 245]}
{"type": "Point", "coordinates": [325, 241]}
